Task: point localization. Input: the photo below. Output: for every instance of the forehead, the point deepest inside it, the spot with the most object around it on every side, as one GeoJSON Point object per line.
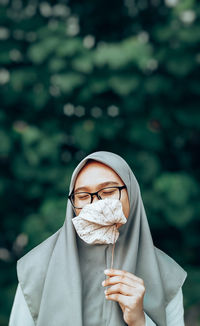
{"type": "Point", "coordinates": [94, 173]}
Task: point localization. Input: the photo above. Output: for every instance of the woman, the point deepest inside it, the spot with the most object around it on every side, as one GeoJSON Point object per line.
{"type": "Point", "coordinates": [60, 280]}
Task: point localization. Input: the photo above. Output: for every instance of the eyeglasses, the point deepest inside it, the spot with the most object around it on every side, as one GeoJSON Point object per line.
{"type": "Point", "coordinates": [80, 199]}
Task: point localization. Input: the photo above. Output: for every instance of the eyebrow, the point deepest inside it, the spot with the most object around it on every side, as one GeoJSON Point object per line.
{"type": "Point", "coordinates": [104, 184]}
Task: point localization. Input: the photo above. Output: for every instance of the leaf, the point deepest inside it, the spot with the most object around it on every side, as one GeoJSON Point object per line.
{"type": "Point", "coordinates": [84, 135]}
{"type": "Point", "coordinates": [129, 51]}
{"type": "Point", "coordinates": [39, 52]}
{"type": "Point", "coordinates": [178, 189]}
{"type": "Point", "coordinates": [5, 144]}
{"type": "Point", "coordinates": [67, 82]}
{"type": "Point", "coordinates": [123, 85]}
{"type": "Point", "coordinates": [140, 133]}
{"type": "Point", "coordinates": [83, 64]}
{"type": "Point", "coordinates": [69, 48]}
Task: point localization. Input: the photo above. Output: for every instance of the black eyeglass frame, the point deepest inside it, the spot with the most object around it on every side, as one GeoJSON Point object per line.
{"type": "Point", "coordinates": [92, 194]}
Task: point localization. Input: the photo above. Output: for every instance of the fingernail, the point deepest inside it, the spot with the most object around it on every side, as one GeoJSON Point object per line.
{"type": "Point", "coordinates": [105, 291]}
{"type": "Point", "coordinates": [103, 283]}
{"type": "Point", "coordinates": [106, 271]}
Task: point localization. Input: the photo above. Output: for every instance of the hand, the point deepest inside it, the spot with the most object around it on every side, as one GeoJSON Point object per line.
{"type": "Point", "coordinates": [128, 290]}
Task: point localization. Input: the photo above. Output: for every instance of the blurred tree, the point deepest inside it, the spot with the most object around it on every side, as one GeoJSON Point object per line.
{"type": "Point", "coordinates": [121, 76]}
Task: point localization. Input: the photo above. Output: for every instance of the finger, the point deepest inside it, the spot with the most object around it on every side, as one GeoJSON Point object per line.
{"type": "Point", "coordinates": [120, 288]}
{"type": "Point", "coordinates": [118, 272]}
{"type": "Point", "coordinates": [119, 279]}
{"type": "Point", "coordinates": [121, 299]}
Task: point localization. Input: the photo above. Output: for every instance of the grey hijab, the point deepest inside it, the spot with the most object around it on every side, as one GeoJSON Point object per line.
{"type": "Point", "coordinates": [51, 278]}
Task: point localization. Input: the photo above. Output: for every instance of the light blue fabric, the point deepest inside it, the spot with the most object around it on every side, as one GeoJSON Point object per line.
{"type": "Point", "coordinates": [52, 277]}
{"type": "Point", "coordinates": [21, 316]}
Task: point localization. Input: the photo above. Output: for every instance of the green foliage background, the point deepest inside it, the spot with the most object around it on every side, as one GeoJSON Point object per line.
{"type": "Point", "coordinates": [77, 77]}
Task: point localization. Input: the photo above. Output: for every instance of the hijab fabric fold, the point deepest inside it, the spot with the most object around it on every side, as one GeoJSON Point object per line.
{"type": "Point", "coordinates": [50, 274]}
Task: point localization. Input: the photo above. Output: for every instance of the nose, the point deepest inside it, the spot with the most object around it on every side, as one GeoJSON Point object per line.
{"type": "Point", "coordinates": [95, 198]}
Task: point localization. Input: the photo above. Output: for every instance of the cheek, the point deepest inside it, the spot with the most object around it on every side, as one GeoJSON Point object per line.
{"type": "Point", "coordinates": [126, 206]}
{"type": "Point", "coordinates": [77, 211]}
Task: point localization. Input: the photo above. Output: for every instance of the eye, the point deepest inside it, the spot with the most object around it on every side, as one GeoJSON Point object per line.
{"type": "Point", "coordinates": [82, 196]}
{"type": "Point", "coordinates": [107, 192]}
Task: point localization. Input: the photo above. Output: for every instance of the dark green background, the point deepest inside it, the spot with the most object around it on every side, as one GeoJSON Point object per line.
{"type": "Point", "coordinates": [80, 76]}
